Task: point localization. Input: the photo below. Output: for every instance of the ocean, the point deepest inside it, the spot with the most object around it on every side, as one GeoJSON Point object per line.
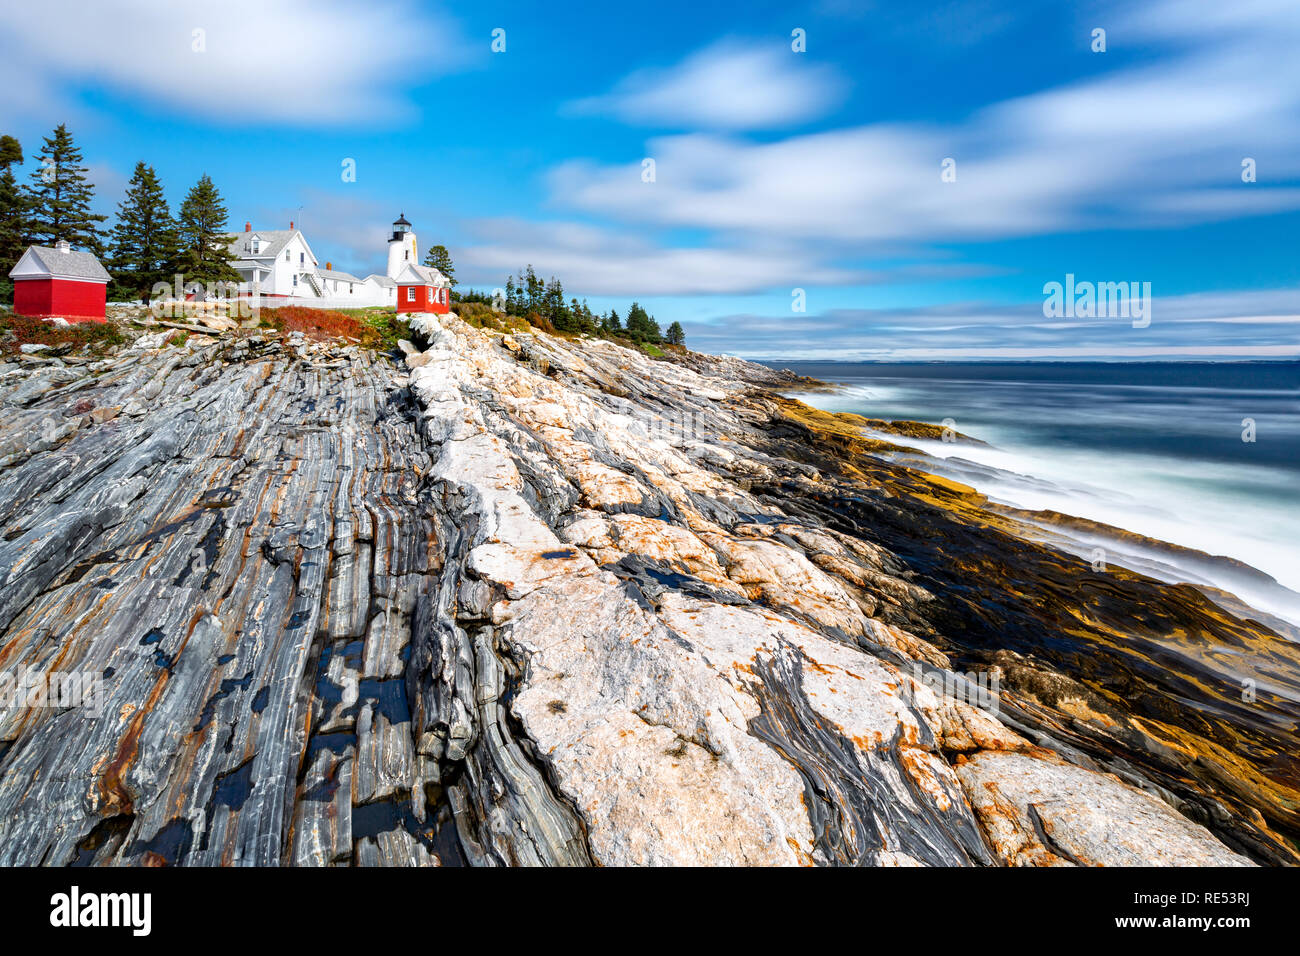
{"type": "Point", "coordinates": [1159, 449]}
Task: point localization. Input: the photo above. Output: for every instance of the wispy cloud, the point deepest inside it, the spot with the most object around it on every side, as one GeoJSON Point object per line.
{"type": "Point", "coordinates": [1255, 324]}
{"type": "Point", "coordinates": [602, 262]}
{"type": "Point", "coordinates": [327, 64]}
{"type": "Point", "coordinates": [1154, 145]}
{"type": "Point", "coordinates": [732, 85]}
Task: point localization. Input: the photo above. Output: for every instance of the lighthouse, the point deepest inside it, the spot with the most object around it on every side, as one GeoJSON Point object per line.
{"type": "Point", "coordinates": [402, 250]}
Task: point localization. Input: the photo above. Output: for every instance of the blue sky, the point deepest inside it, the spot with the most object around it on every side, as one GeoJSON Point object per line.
{"type": "Point", "coordinates": [774, 169]}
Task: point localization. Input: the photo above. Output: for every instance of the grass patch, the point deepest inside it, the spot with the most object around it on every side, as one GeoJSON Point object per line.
{"type": "Point", "coordinates": [387, 328]}
{"type": "Point", "coordinates": [17, 331]}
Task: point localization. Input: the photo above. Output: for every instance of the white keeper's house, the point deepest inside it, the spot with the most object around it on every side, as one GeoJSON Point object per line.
{"type": "Point", "coordinates": [280, 265]}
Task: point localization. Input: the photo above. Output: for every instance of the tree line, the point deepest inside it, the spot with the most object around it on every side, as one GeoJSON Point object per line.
{"type": "Point", "coordinates": [146, 245]}
{"type": "Point", "coordinates": [529, 296]}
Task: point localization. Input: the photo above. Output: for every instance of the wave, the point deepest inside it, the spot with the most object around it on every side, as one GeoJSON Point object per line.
{"type": "Point", "coordinates": [1179, 502]}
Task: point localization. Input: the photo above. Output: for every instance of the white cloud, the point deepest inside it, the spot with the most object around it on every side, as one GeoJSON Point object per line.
{"type": "Point", "coordinates": [1153, 145]}
{"type": "Point", "coordinates": [594, 261]}
{"type": "Point", "coordinates": [731, 85]}
{"type": "Point", "coordinates": [332, 63]}
{"type": "Point", "coordinates": [1221, 325]}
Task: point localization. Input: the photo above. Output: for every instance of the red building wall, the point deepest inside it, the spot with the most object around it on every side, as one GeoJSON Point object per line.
{"type": "Point", "coordinates": [425, 300]}
{"type": "Point", "coordinates": [75, 301]}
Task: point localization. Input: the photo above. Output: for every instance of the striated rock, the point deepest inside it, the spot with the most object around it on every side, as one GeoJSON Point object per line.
{"type": "Point", "coordinates": [557, 603]}
{"type": "Point", "coordinates": [1041, 811]}
{"type": "Point", "coordinates": [186, 557]}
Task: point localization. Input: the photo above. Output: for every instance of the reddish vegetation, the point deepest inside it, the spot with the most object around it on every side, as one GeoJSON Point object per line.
{"type": "Point", "coordinates": [315, 323]}
{"type": "Point", "coordinates": [538, 321]}
{"type": "Point", "coordinates": [19, 330]}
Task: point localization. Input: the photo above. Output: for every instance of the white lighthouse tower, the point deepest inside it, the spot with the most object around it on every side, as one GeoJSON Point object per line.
{"type": "Point", "coordinates": [402, 250]}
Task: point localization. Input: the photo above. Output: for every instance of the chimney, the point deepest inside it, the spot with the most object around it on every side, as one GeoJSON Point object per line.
{"type": "Point", "coordinates": [62, 246]}
{"type": "Point", "coordinates": [329, 267]}
{"type": "Point", "coordinates": [248, 227]}
{"type": "Point", "coordinates": [291, 225]}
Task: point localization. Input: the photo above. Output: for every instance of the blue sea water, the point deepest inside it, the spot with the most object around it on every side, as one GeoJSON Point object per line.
{"type": "Point", "coordinates": [1155, 448]}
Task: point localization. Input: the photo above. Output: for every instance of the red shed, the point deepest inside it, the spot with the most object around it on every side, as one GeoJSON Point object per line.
{"type": "Point", "coordinates": [423, 289]}
{"type": "Point", "coordinates": [59, 282]}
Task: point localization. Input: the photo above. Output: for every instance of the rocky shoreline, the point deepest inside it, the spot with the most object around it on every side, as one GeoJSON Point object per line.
{"type": "Point", "coordinates": [516, 599]}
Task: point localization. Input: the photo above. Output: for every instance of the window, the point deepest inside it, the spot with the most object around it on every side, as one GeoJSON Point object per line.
{"type": "Point", "coordinates": [286, 255]}
{"type": "Point", "coordinates": [349, 288]}
{"type": "Point", "coordinates": [302, 257]}
{"type": "Point", "coordinates": [295, 280]}
{"type": "Point", "coordinates": [257, 247]}
{"type": "Point", "coordinates": [410, 293]}
{"type": "Point", "coordinates": [407, 254]}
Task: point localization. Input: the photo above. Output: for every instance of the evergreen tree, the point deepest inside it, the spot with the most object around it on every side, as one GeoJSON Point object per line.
{"type": "Point", "coordinates": [13, 214]}
{"type": "Point", "coordinates": [145, 240]}
{"type": "Point", "coordinates": [575, 315]}
{"type": "Point", "coordinates": [587, 319]}
{"type": "Point", "coordinates": [534, 290]}
{"type": "Point", "coordinates": [637, 321]}
{"type": "Point", "coordinates": [613, 324]}
{"type": "Point", "coordinates": [641, 326]}
{"type": "Point", "coordinates": [676, 335]}
{"type": "Point", "coordinates": [439, 258]}
{"type": "Point", "coordinates": [555, 309]}
{"type": "Point", "coordinates": [204, 243]}
{"type": "Point", "coordinates": [60, 196]}
{"type": "Point", "coordinates": [512, 297]}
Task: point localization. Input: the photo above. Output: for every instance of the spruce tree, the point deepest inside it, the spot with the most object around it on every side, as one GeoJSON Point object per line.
{"type": "Point", "coordinates": [145, 240]}
{"type": "Point", "coordinates": [637, 322]}
{"type": "Point", "coordinates": [676, 335]}
{"type": "Point", "coordinates": [13, 214]}
{"type": "Point", "coordinates": [204, 243]}
{"type": "Point", "coordinates": [439, 258]}
{"type": "Point", "coordinates": [642, 326]}
{"type": "Point", "coordinates": [512, 297]}
{"type": "Point", "coordinates": [60, 197]}
{"type": "Point", "coordinates": [534, 290]}
{"type": "Point", "coordinates": [555, 309]}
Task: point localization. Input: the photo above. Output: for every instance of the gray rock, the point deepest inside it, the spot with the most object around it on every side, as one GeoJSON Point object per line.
{"type": "Point", "coordinates": [499, 606]}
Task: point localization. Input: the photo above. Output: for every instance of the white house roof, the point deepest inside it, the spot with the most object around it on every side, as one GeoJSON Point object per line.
{"type": "Point", "coordinates": [384, 281]}
{"type": "Point", "coordinates": [335, 274]}
{"type": "Point", "coordinates": [421, 275]}
{"type": "Point", "coordinates": [41, 261]}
